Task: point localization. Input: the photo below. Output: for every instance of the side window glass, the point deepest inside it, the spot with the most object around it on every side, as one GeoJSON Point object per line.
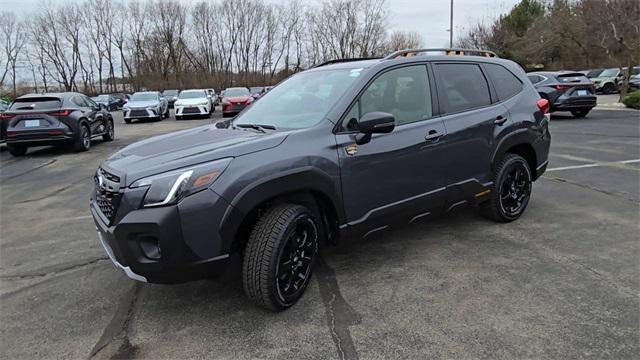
{"type": "Point", "coordinates": [76, 100]}
{"type": "Point", "coordinates": [461, 87]}
{"type": "Point", "coordinates": [403, 92]}
{"type": "Point", "coordinates": [89, 103]}
{"type": "Point", "coordinates": [350, 122]}
{"type": "Point", "coordinates": [505, 83]}
{"type": "Point", "coordinates": [534, 79]}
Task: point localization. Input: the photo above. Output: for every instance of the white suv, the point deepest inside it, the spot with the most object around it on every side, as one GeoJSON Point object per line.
{"type": "Point", "coordinates": [193, 102]}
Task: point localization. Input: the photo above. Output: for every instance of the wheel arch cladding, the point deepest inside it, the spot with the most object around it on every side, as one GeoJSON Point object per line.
{"type": "Point", "coordinates": [519, 143]}
{"type": "Point", "coordinates": [308, 187]}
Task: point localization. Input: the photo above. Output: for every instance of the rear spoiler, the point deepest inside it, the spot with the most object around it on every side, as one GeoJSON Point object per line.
{"type": "Point", "coordinates": [573, 74]}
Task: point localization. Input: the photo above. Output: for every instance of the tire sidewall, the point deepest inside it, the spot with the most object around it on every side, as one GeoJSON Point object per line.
{"type": "Point", "coordinates": [301, 215]}
{"type": "Point", "coordinates": [504, 170]}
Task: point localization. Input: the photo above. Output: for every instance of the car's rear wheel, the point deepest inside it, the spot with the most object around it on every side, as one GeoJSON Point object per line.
{"type": "Point", "coordinates": [608, 88]}
{"type": "Point", "coordinates": [83, 140]}
{"type": "Point", "coordinates": [17, 150]}
{"type": "Point", "coordinates": [580, 113]}
{"type": "Point", "coordinates": [279, 256]}
{"type": "Point", "coordinates": [110, 133]}
{"type": "Point", "coordinates": [511, 190]}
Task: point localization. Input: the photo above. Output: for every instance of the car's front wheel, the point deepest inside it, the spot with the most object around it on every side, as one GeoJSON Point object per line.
{"type": "Point", "coordinates": [580, 113]}
{"type": "Point", "coordinates": [608, 88]}
{"type": "Point", "coordinates": [511, 190]}
{"type": "Point", "coordinates": [279, 256]}
{"type": "Point", "coordinates": [17, 150]}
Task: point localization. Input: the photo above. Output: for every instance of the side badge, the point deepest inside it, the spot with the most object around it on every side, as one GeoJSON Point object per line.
{"type": "Point", "coordinates": [351, 149]}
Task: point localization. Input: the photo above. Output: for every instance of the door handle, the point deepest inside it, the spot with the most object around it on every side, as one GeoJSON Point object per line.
{"type": "Point", "coordinates": [433, 135]}
{"type": "Point", "coordinates": [500, 120]}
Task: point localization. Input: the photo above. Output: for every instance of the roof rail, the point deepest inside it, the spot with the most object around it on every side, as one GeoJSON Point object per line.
{"type": "Point", "coordinates": [446, 51]}
{"type": "Point", "coordinates": [337, 61]}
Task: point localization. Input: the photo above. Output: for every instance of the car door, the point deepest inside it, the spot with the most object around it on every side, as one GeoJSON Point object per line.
{"type": "Point", "coordinates": [472, 119]}
{"type": "Point", "coordinates": [396, 176]}
{"type": "Point", "coordinates": [91, 112]}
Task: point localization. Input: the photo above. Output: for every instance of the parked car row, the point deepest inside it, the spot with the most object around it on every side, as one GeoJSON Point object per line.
{"type": "Point", "coordinates": [609, 81]}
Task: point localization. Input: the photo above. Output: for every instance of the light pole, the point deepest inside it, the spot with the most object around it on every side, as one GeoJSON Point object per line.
{"type": "Point", "coordinates": [451, 25]}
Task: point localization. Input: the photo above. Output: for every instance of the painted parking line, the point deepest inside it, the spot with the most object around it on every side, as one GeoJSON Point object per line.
{"type": "Point", "coordinates": [594, 165]}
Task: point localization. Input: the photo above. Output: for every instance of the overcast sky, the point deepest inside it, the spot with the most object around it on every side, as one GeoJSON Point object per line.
{"type": "Point", "coordinates": [430, 18]}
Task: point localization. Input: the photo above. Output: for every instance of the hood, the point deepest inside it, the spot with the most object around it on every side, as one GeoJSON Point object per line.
{"type": "Point", "coordinates": [191, 101]}
{"type": "Point", "coordinates": [185, 148]}
{"type": "Point", "coordinates": [600, 79]}
{"type": "Point", "coordinates": [238, 98]}
{"type": "Point", "coordinates": [142, 104]}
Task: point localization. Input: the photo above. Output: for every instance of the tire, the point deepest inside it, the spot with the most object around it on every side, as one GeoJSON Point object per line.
{"type": "Point", "coordinates": [110, 135]}
{"type": "Point", "coordinates": [608, 88]}
{"type": "Point", "coordinates": [511, 190]}
{"type": "Point", "coordinates": [83, 140]}
{"type": "Point", "coordinates": [17, 150]}
{"type": "Point", "coordinates": [580, 113]}
{"type": "Point", "coordinates": [274, 245]}
{"type": "Point", "coordinates": [128, 121]}
{"type": "Point", "coordinates": [166, 113]}
{"type": "Point", "coordinates": [178, 118]}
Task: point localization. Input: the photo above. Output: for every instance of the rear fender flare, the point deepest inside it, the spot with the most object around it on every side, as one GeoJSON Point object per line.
{"type": "Point", "coordinates": [517, 137]}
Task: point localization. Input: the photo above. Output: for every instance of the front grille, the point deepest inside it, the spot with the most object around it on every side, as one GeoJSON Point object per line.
{"type": "Point", "coordinates": [108, 202]}
{"type": "Point", "coordinates": [238, 107]}
{"type": "Point", "coordinates": [191, 110]}
{"type": "Point", "coordinates": [107, 193]}
{"type": "Point", "coordinates": [138, 113]}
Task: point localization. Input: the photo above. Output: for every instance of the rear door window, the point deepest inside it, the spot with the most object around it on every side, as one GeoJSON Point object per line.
{"type": "Point", "coordinates": [461, 87]}
{"type": "Point", "coordinates": [504, 82]}
{"type": "Point", "coordinates": [43, 103]}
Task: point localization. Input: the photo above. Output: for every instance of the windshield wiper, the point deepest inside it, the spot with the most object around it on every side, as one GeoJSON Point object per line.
{"type": "Point", "coordinates": [259, 127]}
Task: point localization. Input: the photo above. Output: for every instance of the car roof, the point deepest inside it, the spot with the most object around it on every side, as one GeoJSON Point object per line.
{"type": "Point", "coordinates": [62, 95]}
{"type": "Point", "coordinates": [146, 92]}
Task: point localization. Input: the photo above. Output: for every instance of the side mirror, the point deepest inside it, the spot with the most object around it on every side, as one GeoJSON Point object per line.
{"type": "Point", "coordinates": [374, 123]}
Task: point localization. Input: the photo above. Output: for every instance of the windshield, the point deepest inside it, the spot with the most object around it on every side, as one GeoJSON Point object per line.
{"type": "Point", "coordinates": [192, 95]}
{"type": "Point", "coordinates": [236, 92]}
{"type": "Point", "coordinates": [170, 93]}
{"type": "Point", "coordinates": [101, 98]}
{"type": "Point", "coordinates": [609, 73]}
{"type": "Point", "coordinates": [144, 97]}
{"type": "Point", "coordinates": [255, 90]}
{"type": "Point", "coordinates": [300, 101]}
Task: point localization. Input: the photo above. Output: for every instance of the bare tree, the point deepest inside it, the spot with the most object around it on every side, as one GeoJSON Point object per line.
{"type": "Point", "coordinates": [12, 39]}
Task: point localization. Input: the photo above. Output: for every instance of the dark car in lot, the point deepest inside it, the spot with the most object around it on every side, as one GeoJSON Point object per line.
{"type": "Point", "coordinates": [345, 149]}
{"type": "Point", "coordinates": [171, 96]}
{"type": "Point", "coordinates": [4, 105]}
{"type": "Point", "coordinates": [122, 98]}
{"type": "Point", "coordinates": [235, 100]}
{"type": "Point", "coordinates": [55, 119]}
{"type": "Point", "coordinates": [566, 91]}
{"type": "Point", "coordinates": [111, 102]}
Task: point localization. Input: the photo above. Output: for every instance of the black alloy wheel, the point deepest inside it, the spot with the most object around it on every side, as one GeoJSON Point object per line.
{"type": "Point", "coordinates": [515, 190]}
{"type": "Point", "coordinates": [510, 191]}
{"type": "Point", "coordinates": [279, 256]}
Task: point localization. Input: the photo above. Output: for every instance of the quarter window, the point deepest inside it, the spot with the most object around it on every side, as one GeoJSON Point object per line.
{"type": "Point", "coordinates": [403, 92]}
{"type": "Point", "coordinates": [534, 79]}
{"type": "Point", "coordinates": [505, 83]}
{"type": "Point", "coordinates": [461, 87]}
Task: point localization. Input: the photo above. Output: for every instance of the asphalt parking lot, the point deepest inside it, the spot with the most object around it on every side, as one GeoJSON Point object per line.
{"type": "Point", "coordinates": [562, 282]}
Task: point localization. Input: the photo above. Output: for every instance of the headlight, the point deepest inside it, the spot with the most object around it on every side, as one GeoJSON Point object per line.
{"type": "Point", "coordinates": [168, 188]}
{"type": "Point", "coordinates": [204, 103]}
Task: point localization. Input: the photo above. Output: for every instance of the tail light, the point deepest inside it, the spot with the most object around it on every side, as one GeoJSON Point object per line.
{"type": "Point", "coordinates": [562, 87]}
{"type": "Point", "coordinates": [60, 113]}
{"type": "Point", "coordinates": [543, 105]}
{"type": "Point", "coordinates": [6, 116]}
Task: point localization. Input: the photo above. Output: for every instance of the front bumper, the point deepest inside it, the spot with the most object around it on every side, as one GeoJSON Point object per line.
{"type": "Point", "coordinates": [171, 244]}
{"type": "Point", "coordinates": [140, 113]}
{"type": "Point", "coordinates": [233, 108]}
{"type": "Point", "coordinates": [190, 110]}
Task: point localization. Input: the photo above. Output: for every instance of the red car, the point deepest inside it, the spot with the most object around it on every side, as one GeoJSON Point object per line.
{"type": "Point", "coordinates": [235, 100]}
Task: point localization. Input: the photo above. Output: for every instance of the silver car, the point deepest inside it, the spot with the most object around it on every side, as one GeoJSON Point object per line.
{"type": "Point", "coordinates": [146, 105]}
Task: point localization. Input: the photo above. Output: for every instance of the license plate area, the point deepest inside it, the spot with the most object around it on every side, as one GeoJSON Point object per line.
{"type": "Point", "coordinates": [31, 123]}
{"type": "Point", "coordinates": [583, 92]}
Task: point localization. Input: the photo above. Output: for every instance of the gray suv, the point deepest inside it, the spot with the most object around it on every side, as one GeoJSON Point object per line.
{"type": "Point", "coordinates": [348, 148]}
